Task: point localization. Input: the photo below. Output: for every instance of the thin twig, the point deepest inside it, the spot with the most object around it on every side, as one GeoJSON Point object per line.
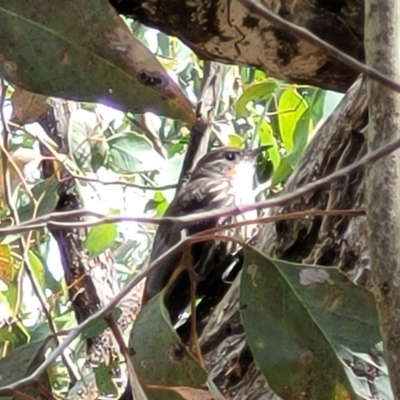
{"type": "Point", "coordinates": [103, 312]}
{"type": "Point", "coordinates": [62, 159]}
{"type": "Point", "coordinates": [22, 241]}
{"type": "Point", "coordinates": [5, 155]}
{"type": "Point", "coordinates": [5, 158]}
{"type": "Point", "coordinates": [285, 217]}
{"type": "Point", "coordinates": [99, 314]}
{"type": "Point", "coordinates": [150, 135]}
{"type": "Point", "coordinates": [60, 220]}
{"type": "Point", "coordinates": [57, 219]}
{"type": "Point", "coordinates": [122, 183]}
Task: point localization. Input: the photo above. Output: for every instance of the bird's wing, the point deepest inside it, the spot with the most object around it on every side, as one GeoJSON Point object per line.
{"type": "Point", "coordinates": [199, 195]}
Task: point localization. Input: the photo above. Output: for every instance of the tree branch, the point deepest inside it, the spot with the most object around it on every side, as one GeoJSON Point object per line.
{"type": "Point", "coordinates": [263, 12]}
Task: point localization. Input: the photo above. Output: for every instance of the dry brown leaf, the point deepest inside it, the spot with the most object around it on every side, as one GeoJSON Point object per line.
{"type": "Point", "coordinates": [28, 107]}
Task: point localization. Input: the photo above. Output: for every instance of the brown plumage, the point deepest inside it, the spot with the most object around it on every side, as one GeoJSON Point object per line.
{"type": "Point", "coordinates": [222, 178]}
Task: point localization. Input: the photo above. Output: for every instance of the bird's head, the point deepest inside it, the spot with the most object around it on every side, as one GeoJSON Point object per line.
{"type": "Point", "coordinates": [228, 163]}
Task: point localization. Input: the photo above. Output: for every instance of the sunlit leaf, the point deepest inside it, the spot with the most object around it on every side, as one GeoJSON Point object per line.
{"type": "Point", "coordinates": [256, 91]}
{"type": "Point", "coordinates": [291, 107]}
{"type": "Point", "coordinates": [158, 203]}
{"type": "Point", "coordinates": [37, 268]}
{"type": "Point", "coordinates": [267, 137]}
{"type": "Point", "coordinates": [235, 140]}
{"type": "Point", "coordinates": [131, 152]}
{"type": "Point", "coordinates": [100, 238]}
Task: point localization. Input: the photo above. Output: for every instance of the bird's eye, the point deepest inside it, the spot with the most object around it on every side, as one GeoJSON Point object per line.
{"type": "Point", "coordinates": [230, 156]}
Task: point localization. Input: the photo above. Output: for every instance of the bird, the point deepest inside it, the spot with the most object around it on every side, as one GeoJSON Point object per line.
{"type": "Point", "coordinates": [224, 177]}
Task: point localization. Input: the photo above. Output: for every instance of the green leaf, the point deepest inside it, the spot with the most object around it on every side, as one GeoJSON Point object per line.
{"type": "Point", "coordinates": [37, 268]}
{"type": "Point", "coordinates": [100, 238]}
{"type": "Point", "coordinates": [22, 362]}
{"type": "Point", "coordinates": [131, 152]}
{"type": "Point", "coordinates": [39, 332]}
{"type": "Point", "coordinates": [284, 169]}
{"type": "Point", "coordinates": [158, 204]}
{"type": "Point", "coordinates": [100, 325]}
{"type": "Point", "coordinates": [300, 320]}
{"type": "Point", "coordinates": [83, 127]}
{"type": "Point", "coordinates": [104, 382]}
{"type": "Point", "coordinates": [256, 91]}
{"type": "Point", "coordinates": [235, 140]}
{"type": "Point", "coordinates": [300, 132]}
{"type": "Point", "coordinates": [46, 193]}
{"type": "Point", "coordinates": [302, 129]}
{"type": "Point", "coordinates": [9, 239]}
{"type": "Point", "coordinates": [317, 105]}
{"type": "Point", "coordinates": [160, 358]}
{"type": "Point", "coordinates": [291, 107]}
{"type": "Point", "coordinates": [6, 336]}
{"type": "Point", "coordinates": [267, 137]}
{"type": "Point", "coordinates": [85, 53]}
{"type": "Point", "coordinates": [54, 285]}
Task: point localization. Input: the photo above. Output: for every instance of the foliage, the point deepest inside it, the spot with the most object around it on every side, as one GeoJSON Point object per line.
{"type": "Point", "coordinates": [290, 312]}
{"type": "Point", "coordinates": [117, 69]}
{"type": "Point", "coordinates": [295, 339]}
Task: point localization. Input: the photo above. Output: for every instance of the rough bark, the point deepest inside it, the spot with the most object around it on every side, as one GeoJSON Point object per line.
{"type": "Point", "coordinates": [382, 44]}
{"type": "Point", "coordinates": [322, 240]}
{"type": "Point", "coordinates": [223, 30]}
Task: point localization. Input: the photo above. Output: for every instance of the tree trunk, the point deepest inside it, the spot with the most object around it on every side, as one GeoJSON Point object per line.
{"type": "Point", "coordinates": [382, 44]}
